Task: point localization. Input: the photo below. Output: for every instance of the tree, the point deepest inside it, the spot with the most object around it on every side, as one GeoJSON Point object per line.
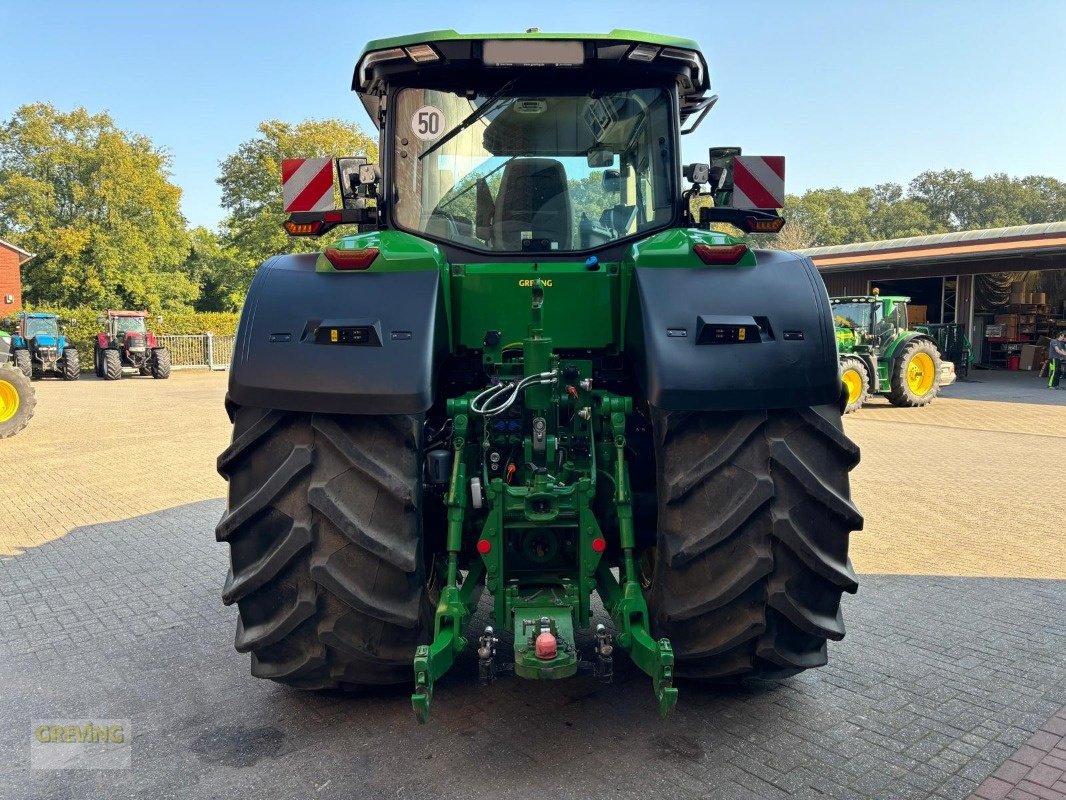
{"type": "Point", "coordinates": [251, 185]}
{"type": "Point", "coordinates": [96, 205]}
{"type": "Point", "coordinates": [956, 200]}
{"type": "Point", "coordinates": [223, 283]}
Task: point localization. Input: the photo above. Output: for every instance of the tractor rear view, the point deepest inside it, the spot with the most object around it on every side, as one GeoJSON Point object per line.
{"type": "Point", "coordinates": [879, 354]}
{"type": "Point", "coordinates": [126, 342]}
{"type": "Point", "coordinates": [531, 373]}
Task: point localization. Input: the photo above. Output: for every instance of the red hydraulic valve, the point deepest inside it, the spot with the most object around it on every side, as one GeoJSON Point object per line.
{"type": "Point", "coordinates": [545, 646]}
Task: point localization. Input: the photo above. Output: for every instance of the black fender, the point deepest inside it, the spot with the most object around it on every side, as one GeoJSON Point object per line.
{"type": "Point", "coordinates": [790, 362]}
{"type": "Point", "coordinates": [284, 358]}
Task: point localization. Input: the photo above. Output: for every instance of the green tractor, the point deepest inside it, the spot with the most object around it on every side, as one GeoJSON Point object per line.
{"type": "Point", "coordinates": [17, 398]}
{"type": "Point", "coordinates": [533, 374]}
{"type": "Point", "coordinates": [879, 354]}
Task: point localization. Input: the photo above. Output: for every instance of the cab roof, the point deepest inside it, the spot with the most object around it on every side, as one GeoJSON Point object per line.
{"type": "Point", "coordinates": [447, 35]}
{"type": "Point", "coordinates": [463, 58]}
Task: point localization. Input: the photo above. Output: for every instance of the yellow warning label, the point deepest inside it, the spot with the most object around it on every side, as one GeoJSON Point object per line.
{"type": "Point", "coordinates": [333, 334]}
{"type": "Point", "coordinates": [741, 333]}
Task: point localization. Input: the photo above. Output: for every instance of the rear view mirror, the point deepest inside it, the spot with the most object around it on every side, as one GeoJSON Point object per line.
{"type": "Point", "coordinates": [348, 171]}
{"type": "Point", "coordinates": [600, 157]}
{"type": "Point", "coordinates": [721, 171]}
{"type": "Point", "coordinates": [101, 320]}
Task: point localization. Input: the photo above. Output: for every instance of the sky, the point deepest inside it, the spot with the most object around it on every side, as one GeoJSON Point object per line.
{"type": "Point", "coordinates": [853, 92]}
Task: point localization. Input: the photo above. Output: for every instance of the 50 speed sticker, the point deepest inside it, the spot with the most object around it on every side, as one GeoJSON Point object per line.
{"type": "Point", "coordinates": [427, 123]}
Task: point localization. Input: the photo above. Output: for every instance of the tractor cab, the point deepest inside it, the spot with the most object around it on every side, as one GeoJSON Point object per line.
{"type": "Point", "coordinates": [495, 148]}
{"type": "Point", "coordinates": [874, 319]}
{"type": "Point", "coordinates": [507, 147]}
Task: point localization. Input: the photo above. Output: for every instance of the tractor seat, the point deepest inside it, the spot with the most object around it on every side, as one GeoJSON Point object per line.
{"type": "Point", "coordinates": [533, 200]}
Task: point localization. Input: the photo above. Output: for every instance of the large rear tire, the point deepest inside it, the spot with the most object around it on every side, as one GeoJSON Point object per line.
{"type": "Point", "coordinates": [112, 365]}
{"type": "Point", "coordinates": [98, 362]}
{"type": "Point", "coordinates": [325, 535]}
{"type": "Point", "coordinates": [754, 513]}
{"type": "Point", "coordinates": [856, 379]}
{"type": "Point", "coordinates": [916, 375]}
{"type": "Point", "coordinates": [17, 400]}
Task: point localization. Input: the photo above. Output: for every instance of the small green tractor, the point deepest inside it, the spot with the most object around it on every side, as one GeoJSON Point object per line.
{"type": "Point", "coordinates": [39, 348]}
{"type": "Point", "coordinates": [126, 342]}
{"type": "Point", "coordinates": [17, 399]}
{"type": "Point", "coordinates": [532, 373]}
{"type": "Point", "coordinates": [880, 354]}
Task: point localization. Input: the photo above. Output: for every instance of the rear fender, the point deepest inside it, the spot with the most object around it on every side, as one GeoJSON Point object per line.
{"type": "Point", "coordinates": [792, 363]}
{"type": "Point", "coordinates": [284, 358]}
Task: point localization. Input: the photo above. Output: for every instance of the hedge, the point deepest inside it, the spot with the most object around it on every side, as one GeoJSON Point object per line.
{"type": "Point", "coordinates": [79, 325]}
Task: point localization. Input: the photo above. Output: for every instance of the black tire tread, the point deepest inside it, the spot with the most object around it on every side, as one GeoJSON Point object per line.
{"type": "Point", "coordinates": [71, 364]}
{"type": "Point", "coordinates": [323, 523]}
{"type": "Point", "coordinates": [24, 363]}
{"type": "Point", "coordinates": [160, 366]}
{"type": "Point", "coordinates": [112, 360]}
{"type": "Point", "coordinates": [754, 517]}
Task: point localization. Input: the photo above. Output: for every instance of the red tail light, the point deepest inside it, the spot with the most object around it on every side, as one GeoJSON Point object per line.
{"type": "Point", "coordinates": [720, 255]}
{"type": "Point", "coordinates": [351, 259]}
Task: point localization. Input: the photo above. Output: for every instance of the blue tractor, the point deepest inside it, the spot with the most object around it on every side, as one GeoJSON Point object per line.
{"type": "Point", "coordinates": [39, 349]}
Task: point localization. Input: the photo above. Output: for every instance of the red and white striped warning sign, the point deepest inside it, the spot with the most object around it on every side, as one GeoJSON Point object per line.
{"type": "Point", "coordinates": [759, 182]}
{"type": "Point", "coordinates": [307, 184]}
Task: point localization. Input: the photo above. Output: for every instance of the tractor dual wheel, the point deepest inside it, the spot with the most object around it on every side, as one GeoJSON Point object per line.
{"type": "Point", "coordinates": [24, 362]}
{"type": "Point", "coordinates": [856, 379]}
{"type": "Point", "coordinates": [71, 364]}
{"type": "Point", "coordinates": [112, 364]}
{"type": "Point", "coordinates": [916, 374]}
{"type": "Point", "coordinates": [160, 365]}
{"type": "Point", "coordinates": [325, 534]}
{"type": "Point", "coordinates": [754, 515]}
{"type": "Point", "coordinates": [17, 401]}
{"type": "Point", "coordinates": [98, 362]}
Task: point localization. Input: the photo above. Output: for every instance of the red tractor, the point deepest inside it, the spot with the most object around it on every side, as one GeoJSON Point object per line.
{"type": "Point", "coordinates": [126, 342]}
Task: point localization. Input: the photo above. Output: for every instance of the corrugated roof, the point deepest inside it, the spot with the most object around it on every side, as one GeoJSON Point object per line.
{"type": "Point", "coordinates": [23, 255]}
{"type": "Point", "coordinates": [940, 239]}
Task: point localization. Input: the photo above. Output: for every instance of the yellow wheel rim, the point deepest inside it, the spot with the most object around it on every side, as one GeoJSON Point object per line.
{"type": "Point", "coordinates": [920, 374]}
{"type": "Point", "coordinates": [853, 381]}
{"type": "Point", "coordinates": [9, 401]}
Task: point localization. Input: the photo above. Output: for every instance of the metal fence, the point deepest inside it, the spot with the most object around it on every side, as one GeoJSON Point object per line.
{"type": "Point", "coordinates": [203, 351]}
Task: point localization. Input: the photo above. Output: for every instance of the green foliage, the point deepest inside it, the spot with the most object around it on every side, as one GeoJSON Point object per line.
{"type": "Point", "coordinates": [223, 281]}
{"type": "Point", "coordinates": [96, 206]}
{"type": "Point", "coordinates": [79, 325]}
{"type": "Point", "coordinates": [251, 194]}
{"type": "Point", "coordinates": [934, 202]}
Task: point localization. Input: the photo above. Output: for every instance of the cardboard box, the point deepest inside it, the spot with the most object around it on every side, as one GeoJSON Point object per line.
{"type": "Point", "coordinates": [1006, 319]}
{"type": "Point", "coordinates": [917, 315]}
{"type": "Point", "coordinates": [1030, 352]}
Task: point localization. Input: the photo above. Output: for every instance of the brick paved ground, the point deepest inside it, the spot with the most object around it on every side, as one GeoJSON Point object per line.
{"type": "Point", "coordinates": [111, 609]}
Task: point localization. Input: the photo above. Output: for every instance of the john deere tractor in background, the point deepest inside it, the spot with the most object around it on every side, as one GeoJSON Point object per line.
{"type": "Point", "coordinates": [879, 354]}
{"type": "Point", "coordinates": [533, 373]}
{"type": "Point", "coordinates": [17, 398]}
{"type": "Point", "coordinates": [40, 349]}
{"type": "Point", "coordinates": [127, 342]}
